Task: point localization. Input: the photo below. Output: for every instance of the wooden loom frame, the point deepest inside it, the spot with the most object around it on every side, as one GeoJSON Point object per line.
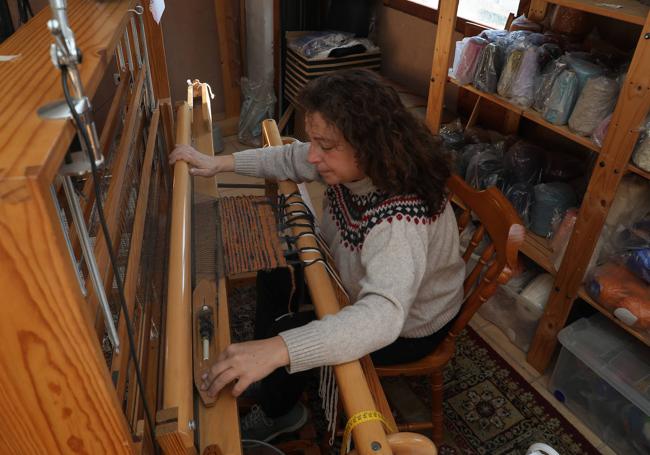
{"type": "Point", "coordinates": [57, 392]}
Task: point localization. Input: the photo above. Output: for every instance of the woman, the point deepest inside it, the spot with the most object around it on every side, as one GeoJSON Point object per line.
{"type": "Point", "coordinates": [391, 230]}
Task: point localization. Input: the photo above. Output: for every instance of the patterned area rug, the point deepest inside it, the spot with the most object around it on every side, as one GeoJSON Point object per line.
{"type": "Point", "coordinates": [489, 408]}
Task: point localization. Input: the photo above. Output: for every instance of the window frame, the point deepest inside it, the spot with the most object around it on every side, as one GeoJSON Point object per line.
{"type": "Point", "coordinates": [463, 26]}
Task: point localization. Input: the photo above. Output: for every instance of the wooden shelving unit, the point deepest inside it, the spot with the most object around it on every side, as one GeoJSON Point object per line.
{"type": "Point", "coordinates": [643, 337]}
{"type": "Point", "coordinates": [638, 171]}
{"type": "Point", "coordinates": [538, 249]}
{"type": "Point", "coordinates": [631, 110]}
{"type": "Point", "coordinates": [535, 247]}
{"type": "Point", "coordinates": [630, 11]}
{"type": "Point", "coordinates": [531, 115]}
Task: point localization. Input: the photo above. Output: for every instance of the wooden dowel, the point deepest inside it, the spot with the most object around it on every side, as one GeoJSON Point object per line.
{"type": "Point", "coordinates": [178, 348]}
{"type": "Point", "coordinates": [369, 437]}
{"type": "Point", "coordinates": [409, 444]}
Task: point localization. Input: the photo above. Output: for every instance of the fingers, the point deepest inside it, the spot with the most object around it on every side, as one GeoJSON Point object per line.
{"type": "Point", "coordinates": [222, 380]}
{"type": "Point", "coordinates": [201, 172]}
{"type": "Point", "coordinates": [182, 152]}
{"type": "Point", "coordinates": [221, 373]}
{"type": "Point", "coordinates": [241, 385]}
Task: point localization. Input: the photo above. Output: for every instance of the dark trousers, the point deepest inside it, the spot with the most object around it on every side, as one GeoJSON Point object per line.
{"type": "Point", "coordinates": [277, 311]}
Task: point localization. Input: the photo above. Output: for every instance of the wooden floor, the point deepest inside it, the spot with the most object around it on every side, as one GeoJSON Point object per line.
{"type": "Point", "coordinates": [488, 331]}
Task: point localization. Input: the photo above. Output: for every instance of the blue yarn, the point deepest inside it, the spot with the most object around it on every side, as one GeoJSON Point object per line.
{"type": "Point", "coordinates": [551, 201]}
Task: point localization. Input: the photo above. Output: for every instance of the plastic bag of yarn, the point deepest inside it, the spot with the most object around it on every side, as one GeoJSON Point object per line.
{"type": "Point", "coordinates": [458, 51]}
{"type": "Point", "coordinates": [465, 155]}
{"type": "Point", "coordinates": [633, 248]}
{"type": "Point", "coordinates": [585, 69]}
{"type": "Point", "coordinates": [476, 135]}
{"type": "Point", "coordinates": [452, 135]}
{"type": "Point", "coordinates": [492, 35]}
{"type": "Point", "coordinates": [523, 23]}
{"type": "Point", "coordinates": [524, 162]}
{"type": "Point", "coordinates": [552, 200]}
{"type": "Point", "coordinates": [570, 21]}
{"type": "Point", "coordinates": [545, 82]}
{"type": "Point", "coordinates": [485, 169]}
{"type": "Point", "coordinates": [615, 287]}
{"type": "Point", "coordinates": [596, 101]}
{"type": "Point", "coordinates": [522, 198]}
{"type": "Point", "coordinates": [562, 167]}
{"type": "Point", "coordinates": [641, 155]}
{"type": "Point", "coordinates": [562, 97]}
{"type": "Point", "coordinates": [522, 90]}
{"type": "Point", "coordinates": [509, 41]}
{"type": "Point", "coordinates": [488, 69]}
{"type": "Point", "coordinates": [469, 58]}
{"type": "Point", "coordinates": [546, 53]}
{"type": "Point", "coordinates": [511, 68]}
{"type": "Point", "coordinates": [631, 201]}
{"type": "Point", "coordinates": [537, 39]}
{"type": "Point", "coordinates": [561, 235]}
{"type": "Point", "coordinates": [599, 134]}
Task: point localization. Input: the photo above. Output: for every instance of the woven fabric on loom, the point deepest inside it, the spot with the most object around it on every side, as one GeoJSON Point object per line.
{"type": "Point", "coordinates": [249, 235]}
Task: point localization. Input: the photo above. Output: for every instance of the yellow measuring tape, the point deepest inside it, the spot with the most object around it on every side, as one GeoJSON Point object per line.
{"type": "Point", "coordinates": [358, 419]}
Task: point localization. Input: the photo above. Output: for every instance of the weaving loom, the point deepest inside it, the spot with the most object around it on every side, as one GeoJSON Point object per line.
{"type": "Point", "coordinates": [105, 330]}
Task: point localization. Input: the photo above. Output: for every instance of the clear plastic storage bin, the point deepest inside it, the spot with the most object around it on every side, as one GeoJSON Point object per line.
{"type": "Point", "coordinates": [513, 314]}
{"type": "Point", "coordinates": [603, 376]}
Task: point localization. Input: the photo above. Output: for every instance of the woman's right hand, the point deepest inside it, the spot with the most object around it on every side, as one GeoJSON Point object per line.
{"type": "Point", "coordinates": [201, 164]}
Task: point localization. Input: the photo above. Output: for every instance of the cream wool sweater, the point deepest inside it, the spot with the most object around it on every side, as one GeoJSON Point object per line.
{"type": "Point", "coordinates": [401, 268]}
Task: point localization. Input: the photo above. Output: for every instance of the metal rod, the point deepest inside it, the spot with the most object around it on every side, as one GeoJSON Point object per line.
{"type": "Point", "coordinates": [65, 227]}
{"type": "Point", "coordinates": [120, 57]}
{"type": "Point", "coordinates": [129, 56]}
{"type": "Point", "coordinates": [136, 42]}
{"type": "Point", "coordinates": [89, 257]}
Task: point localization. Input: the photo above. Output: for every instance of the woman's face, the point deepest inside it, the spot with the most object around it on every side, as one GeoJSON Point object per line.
{"type": "Point", "coordinates": [332, 155]}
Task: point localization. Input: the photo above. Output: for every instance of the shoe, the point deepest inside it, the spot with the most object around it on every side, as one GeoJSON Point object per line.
{"type": "Point", "coordinates": [257, 426]}
{"type": "Point", "coordinates": [541, 449]}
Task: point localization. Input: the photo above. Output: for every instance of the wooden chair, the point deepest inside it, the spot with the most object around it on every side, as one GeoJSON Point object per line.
{"type": "Point", "coordinates": [500, 228]}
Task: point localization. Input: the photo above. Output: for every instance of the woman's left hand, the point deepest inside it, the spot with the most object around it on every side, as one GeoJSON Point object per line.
{"type": "Point", "coordinates": [245, 363]}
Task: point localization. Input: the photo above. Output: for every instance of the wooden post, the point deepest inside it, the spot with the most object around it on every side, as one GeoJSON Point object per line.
{"type": "Point", "coordinates": [157, 56]}
{"type": "Point", "coordinates": [632, 107]}
{"type": "Point", "coordinates": [440, 64]}
{"type": "Point", "coordinates": [229, 56]}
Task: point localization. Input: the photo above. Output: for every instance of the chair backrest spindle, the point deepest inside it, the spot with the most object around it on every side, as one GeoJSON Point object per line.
{"type": "Point", "coordinates": [494, 244]}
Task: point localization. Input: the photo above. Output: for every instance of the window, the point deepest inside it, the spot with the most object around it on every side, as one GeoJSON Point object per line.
{"type": "Point", "coordinates": [487, 12]}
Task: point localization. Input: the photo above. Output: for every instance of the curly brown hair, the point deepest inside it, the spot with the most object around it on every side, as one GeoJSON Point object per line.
{"type": "Point", "coordinates": [394, 148]}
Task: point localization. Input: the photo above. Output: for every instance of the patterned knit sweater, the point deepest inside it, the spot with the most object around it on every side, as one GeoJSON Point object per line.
{"type": "Point", "coordinates": [401, 268]}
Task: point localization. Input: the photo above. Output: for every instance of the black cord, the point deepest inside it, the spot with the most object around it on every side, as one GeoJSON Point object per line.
{"type": "Point", "coordinates": [24, 11]}
{"type": "Point", "coordinates": [111, 252]}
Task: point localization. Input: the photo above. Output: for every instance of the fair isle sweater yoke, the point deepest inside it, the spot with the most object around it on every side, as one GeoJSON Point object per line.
{"type": "Point", "coordinates": [401, 267]}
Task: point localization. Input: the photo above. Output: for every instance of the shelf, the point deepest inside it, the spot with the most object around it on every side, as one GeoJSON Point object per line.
{"type": "Point", "coordinates": [643, 337]}
{"type": "Point", "coordinates": [531, 115]}
{"type": "Point", "coordinates": [631, 11]}
{"type": "Point", "coordinates": [538, 249]}
{"type": "Point", "coordinates": [632, 168]}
